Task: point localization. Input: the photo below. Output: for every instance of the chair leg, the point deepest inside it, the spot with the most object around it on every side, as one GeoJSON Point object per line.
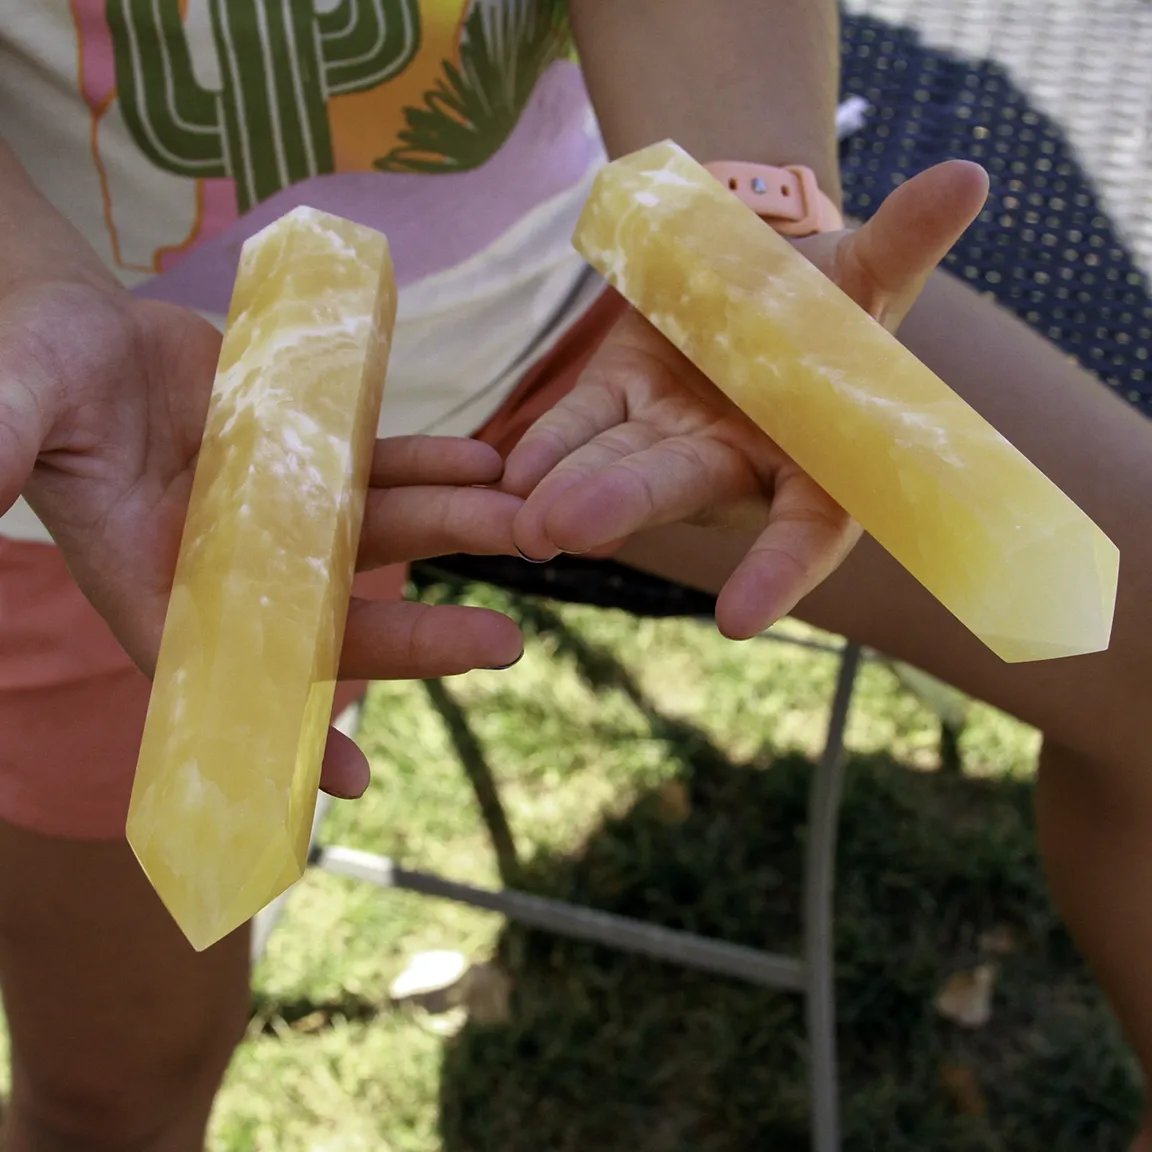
{"type": "Point", "coordinates": [819, 877]}
{"type": "Point", "coordinates": [815, 973]}
{"type": "Point", "coordinates": [265, 921]}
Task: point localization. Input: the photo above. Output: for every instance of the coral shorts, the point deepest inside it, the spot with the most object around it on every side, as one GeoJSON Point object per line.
{"type": "Point", "coordinates": [72, 704]}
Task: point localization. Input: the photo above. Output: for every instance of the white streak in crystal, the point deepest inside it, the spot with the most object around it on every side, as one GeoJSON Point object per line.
{"type": "Point", "coordinates": [912, 429]}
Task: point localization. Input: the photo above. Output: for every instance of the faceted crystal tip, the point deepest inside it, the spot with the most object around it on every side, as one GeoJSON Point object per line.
{"type": "Point", "coordinates": [205, 919]}
{"type": "Point", "coordinates": [1069, 609]}
{"type": "Point", "coordinates": [221, 864]}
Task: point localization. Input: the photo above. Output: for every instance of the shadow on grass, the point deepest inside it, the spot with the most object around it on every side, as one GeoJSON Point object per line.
{"type": "Point", "coordinates": [609, 1051]}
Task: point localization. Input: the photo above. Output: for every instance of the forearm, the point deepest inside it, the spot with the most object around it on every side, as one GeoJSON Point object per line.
{"type": "Point", "coordinates": [37, 244]}
{"type": "Point", "coordinates": [40, 252]}
{"type": "Point", "coordinates": [754, 80]}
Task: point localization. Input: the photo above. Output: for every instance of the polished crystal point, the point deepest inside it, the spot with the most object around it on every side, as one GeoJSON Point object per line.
{"type": "Point", "coordinates": [932, 481]}
{"type": "Point", "coordinates": [229, 765]}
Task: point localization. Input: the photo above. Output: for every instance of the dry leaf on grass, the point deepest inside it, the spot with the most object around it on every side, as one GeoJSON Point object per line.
{"type": "Point", "coordinates": [442, 985]}
{"type": "Point", "coordinates": [313, 1022]}
{"type": "Point", "coordinates": [999, 940]}
{"type": "Point", "coordinates": [487, 988]}
{"type": "Point", "coordinates": [675, 805]}
{"type": "Point", "coordinates": [962, 1086]}
{"type": "Point", "coordinates": [966, 997]}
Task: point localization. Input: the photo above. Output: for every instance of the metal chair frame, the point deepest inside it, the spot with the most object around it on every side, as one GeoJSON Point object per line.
{"type": "Point", "coordinates": [812, 974]}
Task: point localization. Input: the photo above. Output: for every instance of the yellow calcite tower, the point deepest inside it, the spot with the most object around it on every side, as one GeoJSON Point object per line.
{"type": "Point", "coordinates": [229, 765]}
{"type": "Point", "coordinates": [936, 485]}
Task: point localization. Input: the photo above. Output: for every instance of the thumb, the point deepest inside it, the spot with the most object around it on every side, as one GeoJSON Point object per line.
{"type": "Point", "coordinates": [23, 428]}
{"type": "Point", "coordinates": [884, 265]}
{"type": "Point", "coordinates": [51, 337]}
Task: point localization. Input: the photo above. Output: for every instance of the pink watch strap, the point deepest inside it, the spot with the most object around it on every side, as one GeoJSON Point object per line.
{"type": "Point", "coordinates": [787, 198]}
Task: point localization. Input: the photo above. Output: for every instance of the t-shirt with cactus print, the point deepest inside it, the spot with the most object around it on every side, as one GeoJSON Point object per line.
{"type": "Point", "coordinates": [168, 131]}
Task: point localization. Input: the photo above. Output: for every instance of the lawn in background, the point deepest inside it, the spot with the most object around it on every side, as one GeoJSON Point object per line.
{"type": "Point", "coordinates": [652, 768]}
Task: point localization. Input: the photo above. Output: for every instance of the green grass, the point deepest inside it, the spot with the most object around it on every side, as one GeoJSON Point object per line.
{"type": "Point", "coordinates": [603, 1050]}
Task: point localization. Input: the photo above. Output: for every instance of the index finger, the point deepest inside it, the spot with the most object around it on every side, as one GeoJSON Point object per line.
{"type": "Point", "coordinates": [400, 461]}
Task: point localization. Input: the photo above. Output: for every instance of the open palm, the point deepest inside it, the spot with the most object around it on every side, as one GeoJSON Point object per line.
{"type": "Point", "coordinates": [644, 439]}
{"type": "Point", "coordinates": [102, 406]}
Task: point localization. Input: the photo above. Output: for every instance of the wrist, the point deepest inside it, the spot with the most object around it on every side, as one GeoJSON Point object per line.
{"type": "Point", "coordinates": [788, 197]}
{"type": "Point", "coordinates": [37, 244]}
{"type": "Point", "coordinates": [817, 150]}
{"type": "Point", "coordinates": [751, 80]}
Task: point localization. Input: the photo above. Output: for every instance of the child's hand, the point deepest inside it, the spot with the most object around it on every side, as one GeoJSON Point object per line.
{"type": "Point", "coordinates": [102, 404]}
{"type": "Point", "coordinates": [645, 440]}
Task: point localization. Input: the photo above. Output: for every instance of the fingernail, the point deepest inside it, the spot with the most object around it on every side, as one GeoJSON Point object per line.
{"type": "Point", "coordinates": [525, 556]}
{"type": "Point", "coordinates": [342, 795]}
{"type": "Point", "coordinates": [505, 667]}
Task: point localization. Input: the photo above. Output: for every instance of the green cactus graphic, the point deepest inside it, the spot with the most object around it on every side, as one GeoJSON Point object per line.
{"type": "Point", "coordinates": [280, 61]}
{"type": "Point", "coordinates": [473, 107]}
